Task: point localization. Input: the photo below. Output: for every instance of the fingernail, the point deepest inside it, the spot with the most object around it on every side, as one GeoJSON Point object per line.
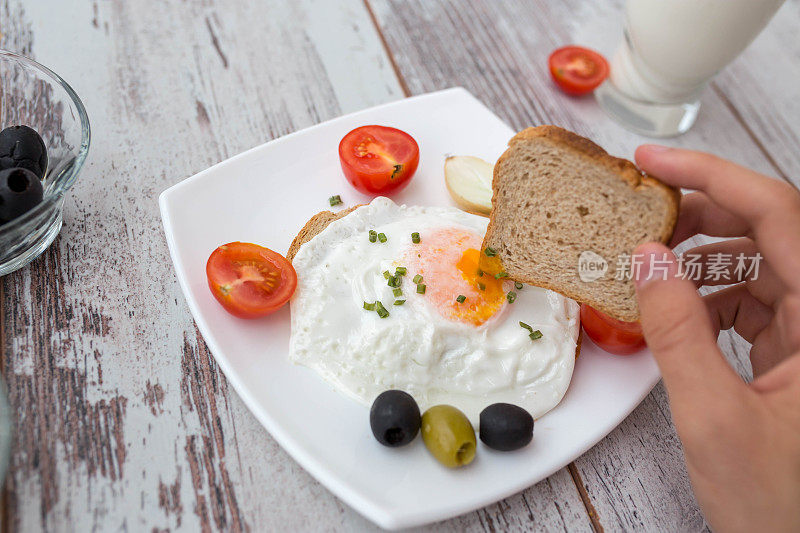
{"type": "Point", "coordinates": [657, 148]}
{"type": "Point", "coordinates": [652, 262]}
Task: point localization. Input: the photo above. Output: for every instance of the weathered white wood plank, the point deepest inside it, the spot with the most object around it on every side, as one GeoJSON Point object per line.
{"type": "Point", "coordinates": [124, 421]}
{"type": "Point", "coordinates": [635, 478]}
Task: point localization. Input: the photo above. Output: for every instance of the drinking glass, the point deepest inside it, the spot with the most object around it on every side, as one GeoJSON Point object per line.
{"type": "Point", "coordinates": [671, 51]}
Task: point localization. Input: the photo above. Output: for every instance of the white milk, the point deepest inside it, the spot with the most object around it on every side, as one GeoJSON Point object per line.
{"type": "Point", "coordinates": [675, 46]}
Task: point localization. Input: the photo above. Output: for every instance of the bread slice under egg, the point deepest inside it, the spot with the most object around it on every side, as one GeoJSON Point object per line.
{"type": "Point", "coordinates": [557, 195]}
{"type": "Point", "coordinates": [314, 225]}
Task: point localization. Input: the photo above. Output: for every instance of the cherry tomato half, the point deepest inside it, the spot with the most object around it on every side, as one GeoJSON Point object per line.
{"type": "Point", "coordinates": [378, 159]}
{"type": "Point", "coordinates": [610, 334]}
{"type": "Point", "coordinates": [250, 281]}
{"type": "Point", "coordinates": [577, 70]}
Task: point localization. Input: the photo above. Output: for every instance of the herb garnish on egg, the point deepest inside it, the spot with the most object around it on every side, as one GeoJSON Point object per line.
{"type": "Point", "coordinates": [447, 349]}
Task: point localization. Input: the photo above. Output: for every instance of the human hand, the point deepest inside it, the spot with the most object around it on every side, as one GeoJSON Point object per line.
{"type": "Point", "coordinates": [741, 441]}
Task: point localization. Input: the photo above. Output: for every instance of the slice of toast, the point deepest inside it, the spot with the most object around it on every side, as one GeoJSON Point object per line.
{"type": "Point", "coordinates": [562, 208]}
{"type": "Point", "coordinates": [314, 225]}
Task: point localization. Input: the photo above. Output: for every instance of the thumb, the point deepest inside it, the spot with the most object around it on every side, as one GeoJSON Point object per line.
{"type": "Point", "coordinates": [677, 327]}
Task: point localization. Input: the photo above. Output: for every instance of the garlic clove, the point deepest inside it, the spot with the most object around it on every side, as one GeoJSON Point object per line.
{"type": "Point", "coordinates": [469, 180]}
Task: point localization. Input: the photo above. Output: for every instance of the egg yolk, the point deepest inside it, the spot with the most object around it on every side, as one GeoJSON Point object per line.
{"type": "Point", "coordinates": [448, 260]}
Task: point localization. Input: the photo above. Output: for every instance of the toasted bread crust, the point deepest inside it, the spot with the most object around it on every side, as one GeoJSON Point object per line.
{"type": "Point", "coordinates": [314, 225]}
{"type": "Point", "coordinates": [625, 169]}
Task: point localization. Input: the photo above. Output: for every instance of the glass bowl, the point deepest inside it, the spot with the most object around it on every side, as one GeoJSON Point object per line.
{"type": "Point", "coordinates": [35, 96]}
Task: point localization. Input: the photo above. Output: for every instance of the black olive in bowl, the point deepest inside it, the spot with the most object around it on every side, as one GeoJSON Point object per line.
{"type": "Point", "coordinates": [394, 418]}
{"type": "Point", "coordinates": [506, 427]}
{"type": "Point", "coordinates": [20, 191]}
{"type": "Point", "coordinates": [22, 147]}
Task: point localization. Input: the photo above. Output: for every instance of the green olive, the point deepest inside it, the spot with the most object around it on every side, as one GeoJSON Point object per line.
{"type": "Point", "coordinates": [448, 435]}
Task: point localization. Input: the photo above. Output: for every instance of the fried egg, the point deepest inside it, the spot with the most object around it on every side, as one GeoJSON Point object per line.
{"type": "Point", "coordinates": [468, 352]}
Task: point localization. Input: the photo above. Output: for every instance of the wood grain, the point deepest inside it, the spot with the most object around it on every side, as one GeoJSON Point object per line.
{"type": "Point", "coordinates": [635, 478]}
{"type": "Point", "coordinates": [123, 419]}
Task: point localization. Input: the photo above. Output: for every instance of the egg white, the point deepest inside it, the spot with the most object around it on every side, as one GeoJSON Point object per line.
{"type": "Point", "coordinates": [415, 349]}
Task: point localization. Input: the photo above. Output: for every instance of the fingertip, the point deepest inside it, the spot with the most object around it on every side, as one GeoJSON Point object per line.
{"type": "Point", "coordinates": [652, 261]}
{"type": "Point", "coordinates": [650, 248]}
{"type": "Point", "coordinates": [647, 152]}
{"type": "Point", "coordinates": [655, 148]}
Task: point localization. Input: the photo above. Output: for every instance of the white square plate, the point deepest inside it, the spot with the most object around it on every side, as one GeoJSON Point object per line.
{"type": "Point", "coordinates": [265, 195]}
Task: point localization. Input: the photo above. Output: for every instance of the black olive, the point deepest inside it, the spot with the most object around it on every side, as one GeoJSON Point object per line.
{"type": "Point", "coordinates": [22, 147]}
{"type": "Point", "coordinates": [20, 190]}
{"type": "Point", "coordinates": [394, 418]}
{"type": "Point", "coordinates": [505, 427]}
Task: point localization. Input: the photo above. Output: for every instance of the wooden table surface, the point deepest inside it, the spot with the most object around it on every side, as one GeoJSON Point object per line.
{"type": "Point", "coordinates": [122, 419]}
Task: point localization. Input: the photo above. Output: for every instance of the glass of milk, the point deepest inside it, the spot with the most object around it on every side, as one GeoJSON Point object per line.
{"type": "Point", "coordinates": [672, 50]}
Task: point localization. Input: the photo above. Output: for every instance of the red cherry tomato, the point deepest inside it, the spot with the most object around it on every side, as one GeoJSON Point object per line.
{"type": "Point", "coordinates": [612, 335]}
{"type": "Point", "coordinates": [250, 281]}
{"type": "Point", "coordinates": [378, 159]}
{"type": "Point", "coordinates": [577, 70]}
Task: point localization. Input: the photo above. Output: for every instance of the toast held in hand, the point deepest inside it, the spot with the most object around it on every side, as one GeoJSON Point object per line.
{"type": "Point", "coordinates": [561, 203]}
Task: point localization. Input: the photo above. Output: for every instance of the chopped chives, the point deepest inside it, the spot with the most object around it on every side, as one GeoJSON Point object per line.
{"type": "Point", "coordinates": [417, 279]}
{"type": "Point", "coordinates": [511, 296]}
{"type": "Point", "coordinates": [461, 299]}
{"type": "Point", "coordinates": [518, 285]}
{"type": "Point", "coordinates": [526, 326]}
{"type": "Point", "coordinates": [369, 306]}
{"type": "Point", "coordinates": [387, 274]}
{"type": "Point", "coordinates": [335, 200]}
{"type": "Point", "coordinates": [480, 273]}
{"type": "Point", "coordinates": [397, 292]}
{"type": "Point", "coordinates": [394, 281]}
{"type": "Point", "coordinates": [400, 271]}
{"type": "Point", "coordinates": [373, 235]}
{"type": "Point", "coordinates": [381, 310]}
{"type": "Point", "coordinates": [399, 302]}
{"type": "Point", "coordinates": [415, 237]}
{"type": "Point", "coordinates": [481, 286]}
{"type": "Point", "coordinates": [490, 252]}
{"type": "Point", "coordinates": [420, 289]}
{"type": "Point", "coordinates": [382, 237]}
{"type": "Point", "coordinates": [536, 335]}
{"type": "Point", "coordinates": [500, 275]}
